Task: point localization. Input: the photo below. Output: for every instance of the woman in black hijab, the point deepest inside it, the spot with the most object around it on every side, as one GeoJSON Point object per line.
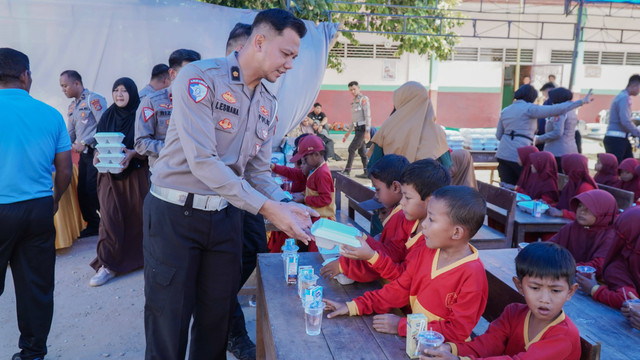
{"type": "Point", "coordinates": [121, 195]}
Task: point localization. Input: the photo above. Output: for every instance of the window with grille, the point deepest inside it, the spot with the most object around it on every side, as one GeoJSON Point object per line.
{"type": "Point", "coordinates": [561, 56]}
{"type": "Point", "coordinates": [591, 58]}
{"type": "Point", "coordinates": [368, 51]}
{"type": "Point", "coordinates": [465, 54]}
{"type": "Point", "coordinates": [526, 55]}
{"type": "Point", "coordinates": [633, 59]}
{"type": "Point", "coordinates": [487, 54]}
{"type": "Point", "coordinates": [612, 58]}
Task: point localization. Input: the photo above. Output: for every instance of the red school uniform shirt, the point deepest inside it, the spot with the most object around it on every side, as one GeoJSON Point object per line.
{"type": "Point", "coordinates": [392, 241]}
{"type": "Point", "coordinates": [319, 193]}
{"type": "Point", "coordinates": [452, 298]}
{"type": "Point", "coordinates": [508, 338]}
{"type": "Point", "coordinates": [297, 177]}
{"type": "Point", "coordinates": [390, 269]}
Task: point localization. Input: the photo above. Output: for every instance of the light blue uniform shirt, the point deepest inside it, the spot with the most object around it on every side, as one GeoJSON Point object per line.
{"type": "Point", "coordinates": [31, 134]}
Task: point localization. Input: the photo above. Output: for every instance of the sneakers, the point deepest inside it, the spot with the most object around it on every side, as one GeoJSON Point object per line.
{"type": "Point", "coordinates": [242, 347]}
{"type": "Point", "coordinates": [101, 277]}
{"type": "Point", "coordinates": [88, 231]}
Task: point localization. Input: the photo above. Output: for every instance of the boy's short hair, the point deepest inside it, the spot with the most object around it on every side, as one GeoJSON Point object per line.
{"type": "Point", "coordinates": [634, 79]}
{"type": "Point", "coordinates": [389, 168]}
{"type": "Point", "coordinates": [467, 207]}
{"type": "Point", "coordinates": [544, 260]}
{"type": "Point", "coordinates": [353, 83]}
{"type": "Point", "coordinates": [426, 176]}
{"type": "Point", "coordinates": [317, 104]}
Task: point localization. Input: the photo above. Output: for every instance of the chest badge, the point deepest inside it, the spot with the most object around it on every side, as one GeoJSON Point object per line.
{"type": "Point", "coordinates": [198, 89]}
{"type": "Point", "coordinates": [96, 104]}
{"type": "Point", "coordinates": [228, 97]}
{"type": "Point", "coordinates": [264, 111]}
{"type": "Point", "coordinates": [166, 106]}
{"type": "Point", "coordinates": [225, 124]}
{"type": "Point", "coordinates": [147, 113]}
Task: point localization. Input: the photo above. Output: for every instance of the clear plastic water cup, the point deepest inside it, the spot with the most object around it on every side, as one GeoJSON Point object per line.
{"type": "Point", "coordinates": [586, 271]}
{"type": "Point", "coordinates": [429, 339]}
{"type": "Point", "coordinates": [313, 318]}
{"type": "Point", "coordinates": [537, 209]}
{"type": "Point", "coordinates": [287, 185]}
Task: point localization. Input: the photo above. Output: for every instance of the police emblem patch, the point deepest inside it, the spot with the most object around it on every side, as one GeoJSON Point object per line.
{"type": "Point", "coordinates": [147, 113]}
{"type": "Point", "coordinates": [225, 124]}
{"type": "Point", "coordinates": [228, 97]}
{"type": "Point", "coordinates": [257, 149]}
{"type": "Point", "coordinates": [198, 89]}
{"type": "Point", "coordinates": [264, 111]}
{"type": "Point", "coordinates": [96, 104]}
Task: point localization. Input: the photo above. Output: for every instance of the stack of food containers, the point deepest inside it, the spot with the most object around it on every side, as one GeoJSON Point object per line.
{"type": "Point", "coordinates": [480, 139]}
{"type": "Point", "coordinates": [110, 149]}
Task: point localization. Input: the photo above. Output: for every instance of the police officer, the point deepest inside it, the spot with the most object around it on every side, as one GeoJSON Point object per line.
{"type": "Point", "coordinates": [616, 140]}
{"type": "Point", "coordinates": [154, 111]}
{"type": "Point", "coordinates": [215, 163]}
{"type": "Point", "coordinates": [84, 113]}
{"type": "Point", "coordinates": [159, 80]}
{"type": "Point", "coordinates": [361, 123]}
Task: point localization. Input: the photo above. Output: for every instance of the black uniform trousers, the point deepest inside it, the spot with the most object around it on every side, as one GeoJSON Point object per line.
{"type": "Point", "coordinates": [254, 241]}
{"type": "Point", "coordinates": [509, 171]}
{"type": "Point", "coordinates": [358, 144]}
{"type": "Point", "coordinates": [27, 243]}
{"type": "Point", "coordinates": [620, 147]}
{"type": "Point", "coordinates": [88, 190]}
{"type": "Point", "coordinates": [191, 269]}
{"type": "Point", "coordinates": [328, 146]}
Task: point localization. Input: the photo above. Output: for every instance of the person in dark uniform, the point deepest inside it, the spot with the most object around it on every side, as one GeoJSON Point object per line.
{"type": "Point", "coordinates": [616, 139]}
{"type": "Point", "coordinates": [361, 124]}
{"type": "Point", "coordinates": [215, 164]}
{"type": "Point", "coordinates": [159, 80]}
{"type": "Point", "coordinates": [33, 137]}
{"type": "Point", "coordinates": [84, 113]}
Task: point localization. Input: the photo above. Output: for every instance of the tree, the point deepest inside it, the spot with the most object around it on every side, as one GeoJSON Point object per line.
{"type": "Point", "coordinates": [420, 26]}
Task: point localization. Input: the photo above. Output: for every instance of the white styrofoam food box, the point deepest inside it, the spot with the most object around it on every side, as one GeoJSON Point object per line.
{"type": "Point", "coordinates": [112, 168]}
{"type": "Point", "coordinates": [110, 148]}
{"type": "Point", "coordinates": [111, 158]}
{"type": "Point", "coordinates": [109, 137]}
{"type": "Point", "coordinates": [330, 233]}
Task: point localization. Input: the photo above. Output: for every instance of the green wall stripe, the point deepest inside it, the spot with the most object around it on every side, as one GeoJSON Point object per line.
{"type": "Point", "coordinates": [601, 91]}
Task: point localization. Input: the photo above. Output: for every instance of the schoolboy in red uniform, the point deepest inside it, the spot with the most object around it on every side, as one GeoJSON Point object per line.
{"type": "Point", "coordinates": [446, 281]}
{"type": "Point", "coordinates": [538, 329]}
{"type": "Point", "coordinates": [419, 181]}
{"type": "Point", "coordinates": [320, 192]}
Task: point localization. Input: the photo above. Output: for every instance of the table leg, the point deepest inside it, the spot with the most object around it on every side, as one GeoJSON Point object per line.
{"type": "Point", "coordinates": [260, 308]}
{"type": "Point", "coordinates": [520, 235]}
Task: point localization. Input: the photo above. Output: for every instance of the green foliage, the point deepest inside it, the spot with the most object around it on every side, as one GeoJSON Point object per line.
{"type": "Point", "coordinates": [424, 17]}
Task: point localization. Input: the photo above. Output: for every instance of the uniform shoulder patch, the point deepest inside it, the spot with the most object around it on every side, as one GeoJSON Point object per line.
{"type": "Point", "coordinates": [228, 97]}
{"type": "Point", "coordinates": [96, 104]}
{"type": "Point", "coordinates": [147, 113]}
{"type": "Point", "coordinates": [198, 89]}
{"type": "Point", "coordinates": [166, 106]}
{"type": "Point", "coordinates": [364, 100]}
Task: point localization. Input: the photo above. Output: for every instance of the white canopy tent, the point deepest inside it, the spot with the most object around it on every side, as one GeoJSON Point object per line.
{"type": "Point", "coordinates": [107, 39]}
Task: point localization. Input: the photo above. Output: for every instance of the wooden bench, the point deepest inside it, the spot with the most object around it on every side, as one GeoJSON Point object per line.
{"type": "Point", "coordinates": [500, 268]}
{"type": "Point", "coordinates": [355, 194]}
{"type": "Point", "coordinates": [503, 211]}
{"type": "Point", "coordinates": [624, 198]}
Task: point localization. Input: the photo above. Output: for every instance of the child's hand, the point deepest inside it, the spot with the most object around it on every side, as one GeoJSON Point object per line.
{"type": "Point", "coordinates": [330, 270]}
{"type": "Point", "coordinates": [386, 323]}
{"type": "Point", "coordinates": [634, 318]}
{"type": "Point", "coordinates": [336, 308]}
{"type": "Point", "coordinates": [586, 284]}
{"type": "Point", "coordinates": [298, 197]}
{"type": "Point", "coordinates": [443, 352]}
{"type": "Point", "coordinates": [554, 212]}
{"type": "Point", "coordinates": [625, 305]}
{"type": "Point", "coordinates": [364, 252]}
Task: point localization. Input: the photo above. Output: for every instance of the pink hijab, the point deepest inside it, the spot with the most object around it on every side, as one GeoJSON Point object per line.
{"type": "Point", "coordinates": [608, 175]}
{"type": "Point", "coordinates": [576, 166]}
{"type": "Point", "coordinates": [588, 242]}
{"type": "Point", "coordinates": [545, 180]}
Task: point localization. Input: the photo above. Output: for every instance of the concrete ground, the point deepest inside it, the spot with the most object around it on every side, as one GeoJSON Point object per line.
{"type": "Point", "coordinates": [107, 321]}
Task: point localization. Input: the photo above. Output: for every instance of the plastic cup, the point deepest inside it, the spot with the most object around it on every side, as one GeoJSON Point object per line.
{"type": "Point", "coordinates": [586, 271]}
{"type": "Point", "coordinates": [286, 185]}
{"type": "Point", "coordinates": [429, 339]}
{"type": "Point", "coordinates": [313, 318]}
{"type": "Point", "coordinates": [306, 283]}
{"type": "Point", "coordinates": [537, 209]}
{"type": "Point", "coordinates": [634, 304]}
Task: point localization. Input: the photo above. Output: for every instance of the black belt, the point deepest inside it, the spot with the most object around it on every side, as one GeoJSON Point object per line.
{"type": "Point", "coordinates": [514, 135]}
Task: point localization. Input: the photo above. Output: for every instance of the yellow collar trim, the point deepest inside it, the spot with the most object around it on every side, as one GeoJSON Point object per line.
{"type": "Point", "coordinates": [434, 266]}
{"type": "Point", "coordinates": [412, 240]}
{"type": "Point", "coordinates": [393, 212]}
{"type": "Point", "coordinates": [528, 343]}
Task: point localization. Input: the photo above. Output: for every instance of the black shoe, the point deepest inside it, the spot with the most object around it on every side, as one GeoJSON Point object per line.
{"type": "Point", "coordinates": [88, 231]}
{"type": "Point", "coordinates": [337, 158]}
{"type": "Point", "coordinates": [16, 356]}
{"type": "Point", "coordinates": [362, 176]}
{"type": "Point", "coordinates": [242, 347]}
{"type": "Point", "coordinates": [345, 172]}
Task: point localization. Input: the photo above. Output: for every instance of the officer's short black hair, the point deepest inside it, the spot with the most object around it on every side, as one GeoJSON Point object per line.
{"type": "Point", "coordinates": [240, 32]}
{"type": "Point", "coordinates": [279, 20]}
{"type": "Point", "coordinates": [353, 83]}
{"type": "Point", "coordinates": [317, 104]}
{"type": "Point", "coordinates": [13, 63]}
{"type": "Point", "coordinates": [527, 93]}
{"type": "Point", "coordinates": [560, 95]}
{"type": "Point", "coordinates": [73, 75]}
{"type": "Point", "coordinates": [634, 79]}
{"type": "Point", "coordinates": [160, 72]}
{"type": "Point", "coordinates": [389, 168]}
{"type": "Point", "coordinates": [548, 86]}
{"type": "Point", "coordinates": [466, 206]}
{"type": "Point", "coordinates": [426, 176]}
{"type": "Point", "coordinates": [546, 260]}
{"type": "Point", "coordinates": [181, 55]}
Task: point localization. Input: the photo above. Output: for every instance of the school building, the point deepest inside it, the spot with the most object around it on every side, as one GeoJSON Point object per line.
{"type": "Point", "coordinates": [471, 87]}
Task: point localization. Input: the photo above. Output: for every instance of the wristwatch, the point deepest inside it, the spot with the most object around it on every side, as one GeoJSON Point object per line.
{"type": "Point", "coordinates": [286, 200]}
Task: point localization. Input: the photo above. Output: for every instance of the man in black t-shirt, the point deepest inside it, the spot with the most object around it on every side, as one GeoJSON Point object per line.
{"type": "Point", "coordinates": [321, 129]}
{"type": "Point", "coordinates": [318, 116]}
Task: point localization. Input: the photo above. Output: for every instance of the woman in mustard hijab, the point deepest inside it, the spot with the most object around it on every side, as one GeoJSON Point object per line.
{"type": "Point", "coordinates": [411, 130]}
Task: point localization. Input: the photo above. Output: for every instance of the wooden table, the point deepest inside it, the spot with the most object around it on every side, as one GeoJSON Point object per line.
{"type": "Point", "coordinates": [482, 156]}
{"type": "Point", "coordinates": [280, 320]}
{"type": "Point", "coordinates": [596, 321]}
{"type": "Point", "coordinates": [526, 222]}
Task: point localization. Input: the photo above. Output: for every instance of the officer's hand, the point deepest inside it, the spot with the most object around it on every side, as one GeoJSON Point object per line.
{"type": "Point", "coordinates": [95, 157]}
{"type": "Point", "coordinates": [293, 219]}
{"type": "Point", "coordinates": [367, 136]}
{"type": "Point", "coordinates": [77, 147]}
